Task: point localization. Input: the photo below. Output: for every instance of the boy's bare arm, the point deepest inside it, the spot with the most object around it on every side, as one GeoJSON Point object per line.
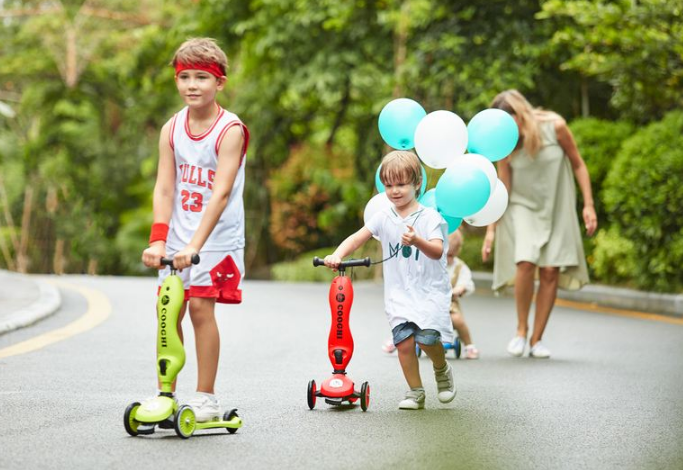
{"type": "Point", "coordinates": [229, 160]}
{"type": "Point", "coordinates": [348, 246]}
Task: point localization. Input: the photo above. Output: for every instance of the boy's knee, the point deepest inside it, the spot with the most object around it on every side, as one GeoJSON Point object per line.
{"type": "Point", "coordinates": [201, 309]}
{"type": "Point", "coordinates": [406, 345]}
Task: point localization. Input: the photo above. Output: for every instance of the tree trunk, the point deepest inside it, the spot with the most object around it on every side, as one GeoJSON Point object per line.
{"type": "Point", "coordinates": [400, 47]}
{"type": "Point", "coordinates": [92, 267]}
{"type": "Point", "coordinates": [585, 99]}
{"type": "Point", "coordinates": [58, 260]}
{"type": "Point", "coordinates": [22, 256]}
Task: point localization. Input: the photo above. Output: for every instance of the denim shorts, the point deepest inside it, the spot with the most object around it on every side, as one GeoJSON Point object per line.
{"type": "Point", "coordinates": [407, 329]}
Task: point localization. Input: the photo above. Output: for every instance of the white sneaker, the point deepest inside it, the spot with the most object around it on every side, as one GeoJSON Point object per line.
{"type": "Point", "coordinates": [516, 346]}
{"type": "Point", "coordinates": [205, 408]}
{"type": "Point", "coordinates": [414, 400]}
{"type": "Point", "coordinates": [539, 351]}
{"type": "Point", "coordinates": [445, 384]}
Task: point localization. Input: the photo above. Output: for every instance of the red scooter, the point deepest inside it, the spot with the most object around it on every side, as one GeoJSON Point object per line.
{"type": "Point", "coordinates": [339, 389]}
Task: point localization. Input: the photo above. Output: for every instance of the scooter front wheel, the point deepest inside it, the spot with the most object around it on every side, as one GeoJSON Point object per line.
{"type": "Point", "coordinates": [129, 421]}
{"type": "Point", "coordinates": [311, 394]}
{"type": "Point", "coordinates": [364, 396]}
{"type": "Point", "coordinates": [185, 422]}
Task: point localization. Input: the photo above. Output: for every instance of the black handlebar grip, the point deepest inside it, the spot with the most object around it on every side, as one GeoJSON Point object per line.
{"type": "Point", "coordinates": [345, 264]}
{"type": "Point", "coordinates": [357, 262]}
{"type": "Point", "coordinates": [169, 261]}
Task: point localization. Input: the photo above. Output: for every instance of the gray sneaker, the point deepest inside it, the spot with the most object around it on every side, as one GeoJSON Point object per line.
{"type": "Point", "coordinates": [445, 384]}
{"type": "Point", "coordinates": [414, 400]}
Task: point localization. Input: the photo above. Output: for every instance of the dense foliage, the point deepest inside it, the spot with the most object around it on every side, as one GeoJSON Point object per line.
{"type": "Point", "coordinates": [85, 87]}
{"type": "Point", "coordinates": [643, 194]}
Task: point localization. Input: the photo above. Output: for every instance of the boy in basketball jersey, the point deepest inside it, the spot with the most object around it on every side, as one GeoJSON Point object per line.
{"type": "Point", "coordinates": [198, 206]}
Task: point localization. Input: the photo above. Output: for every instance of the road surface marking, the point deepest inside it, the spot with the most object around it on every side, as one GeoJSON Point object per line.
{"type": "Point", "coordinates": [98, 310]}
{"type": "Point", "coordinates": [616, 311]}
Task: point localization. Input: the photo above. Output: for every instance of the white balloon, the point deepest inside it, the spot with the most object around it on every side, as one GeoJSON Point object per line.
{"type": "Point", "coordinates": [376, 204]}
{"type": "Point", "coordinates": [439, 138]}
{"type": "Point", "coordinates": [494, 208]}
{"type": "Point", "coordinates": [483, 163]}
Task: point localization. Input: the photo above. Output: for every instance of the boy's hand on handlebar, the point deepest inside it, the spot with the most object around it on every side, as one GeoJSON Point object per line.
{"type": "Point", "coordinates": [332, 261]}
{"type": "Point", "coordinates": [152, 255]}
{"type": "Point", "coordinates": [183, 259]}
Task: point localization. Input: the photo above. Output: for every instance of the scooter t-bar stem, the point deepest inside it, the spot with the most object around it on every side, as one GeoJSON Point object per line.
{"type": "Point", "coordinates": [345, 264]}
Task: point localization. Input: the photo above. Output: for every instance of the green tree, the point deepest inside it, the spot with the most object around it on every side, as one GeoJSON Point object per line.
{"type": "Point", "coordinates": [634, 46]}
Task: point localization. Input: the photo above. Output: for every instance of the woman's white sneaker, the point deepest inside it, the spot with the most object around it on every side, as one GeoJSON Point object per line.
{"type": "Point", "coordinates": [539, 351]}
{"type": "Point", "coordinates": [516, 346]}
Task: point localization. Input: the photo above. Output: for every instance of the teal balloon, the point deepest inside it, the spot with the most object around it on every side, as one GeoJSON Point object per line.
{"type": "Point", "coordinates": [492, 133]}
{"type": "Point", "coordinates": [380, 187]}
{"type": "Point", "coordinates": [453, 223]}
{"type": "Point", "coordinates": [462, 190]}
{"type": "Point", "coordinates": [428, 199]}
{"type": "Point", "coordinates": [398, 121]}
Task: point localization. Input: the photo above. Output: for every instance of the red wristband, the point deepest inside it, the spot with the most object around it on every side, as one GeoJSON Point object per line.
{"type": "Point", "coordinates": [159, 233]}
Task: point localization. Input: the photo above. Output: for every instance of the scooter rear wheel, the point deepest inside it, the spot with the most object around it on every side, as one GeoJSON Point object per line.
{"type": "Point", "coordinates": [311, 394]}
{"type": "Point", "coordinates": [457, 348]}
{"type": "Point", "coordinates": [129, 421]}
{"type": "Point", "coordinates": [228, 416]}
{"type": "Point", "coordinates": [185, 422]}
{"type": "Point", "coordinates": [364, 396]}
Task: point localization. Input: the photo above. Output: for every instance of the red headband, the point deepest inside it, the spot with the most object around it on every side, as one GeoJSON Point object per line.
{"type": "Point", "coordinates": [213, 68]}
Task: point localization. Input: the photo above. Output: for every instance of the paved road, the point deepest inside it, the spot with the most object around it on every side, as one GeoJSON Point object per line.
{"type": "Point", "coordinates": [609, 398]}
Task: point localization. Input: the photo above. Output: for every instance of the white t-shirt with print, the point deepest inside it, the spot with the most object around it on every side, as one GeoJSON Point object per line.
{"type": "Point", "coordinates": [416, 288]}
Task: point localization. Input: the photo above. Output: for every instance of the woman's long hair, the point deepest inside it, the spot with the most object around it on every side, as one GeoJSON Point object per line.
{"type": "Point", "coordinates": [528, 117]}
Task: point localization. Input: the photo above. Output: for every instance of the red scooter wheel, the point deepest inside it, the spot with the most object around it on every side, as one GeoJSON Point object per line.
{"type": "Point", "coordinates": [311, 394]}
{"type": "Point", "coordinates": [364, 396]}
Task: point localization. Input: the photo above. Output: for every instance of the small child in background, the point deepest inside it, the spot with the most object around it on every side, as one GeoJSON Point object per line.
{"type": "Point", "coordinates": [461, 280]}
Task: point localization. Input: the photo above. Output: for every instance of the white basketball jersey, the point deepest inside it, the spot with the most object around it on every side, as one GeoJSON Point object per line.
{"type": "Point", "coordinates": [196, 159]}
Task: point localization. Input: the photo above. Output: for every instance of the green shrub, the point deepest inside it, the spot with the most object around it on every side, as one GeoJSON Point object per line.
{"type": "Point", "coordinates": [470, 252]}
{"type": "Point", "coordinates": [642, 195]}
{"type": "Point", "coordinates": [315, 196]}
{"type": "Point", "coordinates": [613, 259]}
{"type": "Point", "coordinates": [599, 143]}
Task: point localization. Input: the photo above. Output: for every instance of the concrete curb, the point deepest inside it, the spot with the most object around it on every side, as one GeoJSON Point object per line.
{"type": "Point", "coordinates": [613, 297]}
{"type": "Point", "coordinates": [48, 302]}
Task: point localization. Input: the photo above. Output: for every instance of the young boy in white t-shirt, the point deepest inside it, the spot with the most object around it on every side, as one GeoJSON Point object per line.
{"type": "Point", "coordinates": [417, 290]}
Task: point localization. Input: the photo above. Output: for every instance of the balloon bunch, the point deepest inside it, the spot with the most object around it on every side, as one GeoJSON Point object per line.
{"type": "Point", "coordinates": [469, 189]}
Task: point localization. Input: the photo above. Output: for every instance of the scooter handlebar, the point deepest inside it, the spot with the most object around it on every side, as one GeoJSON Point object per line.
{"type": "Point", "coordinates": [169, 261]}
{"type": "Point", "coordinates": [345, 264]}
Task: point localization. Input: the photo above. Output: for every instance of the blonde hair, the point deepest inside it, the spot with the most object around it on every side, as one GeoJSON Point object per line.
{"type": "Point", "coordinates": [401, 166]}
{"type": "Point", "coordinates": [528, 117]}
{"type": "Point", "coordinates": [203, 51]}
{"type": "Point", "coordinates": [455, 240]}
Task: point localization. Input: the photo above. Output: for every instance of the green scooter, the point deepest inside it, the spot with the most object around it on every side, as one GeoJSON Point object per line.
{"type": "Point", "coordinates": [163, 410]}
